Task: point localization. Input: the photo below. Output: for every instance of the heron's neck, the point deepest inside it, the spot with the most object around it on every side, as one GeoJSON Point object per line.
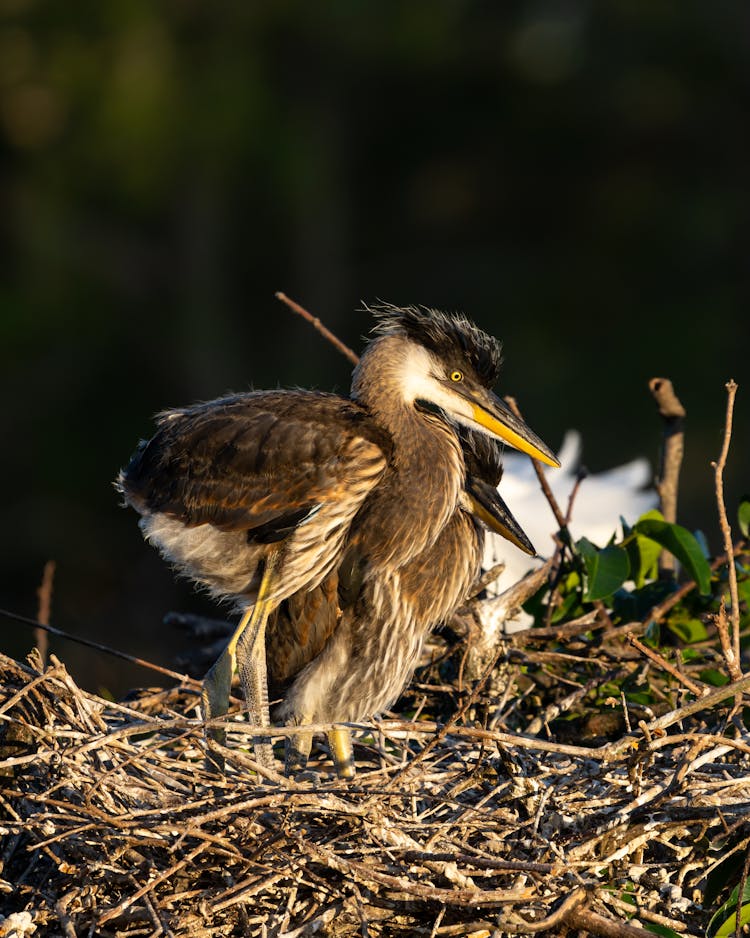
{"type": "Point", "coordinates": [427, 458]}
{"type": "Point", "coordinates": [386, 382]}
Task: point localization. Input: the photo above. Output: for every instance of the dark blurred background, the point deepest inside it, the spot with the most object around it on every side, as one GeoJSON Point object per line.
{"type": "Point", "coordinates": [573, 175]}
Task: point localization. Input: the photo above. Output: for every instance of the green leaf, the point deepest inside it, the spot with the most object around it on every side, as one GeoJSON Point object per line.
{"type": "Point", "coordinates": [724, 922]}
{"type": "Point", "coordinates": [680, 542]}
{"type": "Point", "coordinates": [713, 677]}
{"type": "Point", "coordinates": [653, 515]}
{"type": "Point", "coordinates": [662, 930]}
{"type": "Point", "coordinates": [565, 609]}
{"type": "Point", "coordinates": [643, 553]}
{"type": "Point", "coordinates": [689, 630]}
{"type": "Point", "coordinates": [637, 604]}
{"type": "Point", "coordinates": [728, 929]}
{"type": "Point", "coordinates": [639, 697]}
{"type": "Point", "coordinates": [606, 570]}
{"type": "Point", "coordinates": [743, 515]}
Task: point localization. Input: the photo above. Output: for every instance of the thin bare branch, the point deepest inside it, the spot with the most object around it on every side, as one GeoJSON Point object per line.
{"type": "Point", "coordinates": [317, 324]}
{"type": "Point", "coordinates": [539, 470]}
{"type": "Point", "coordinates": [98, 646]}
{"type": "Point", "coordinates": [665, 665]}
{"type": "Point", "coordinates": [733, 661]}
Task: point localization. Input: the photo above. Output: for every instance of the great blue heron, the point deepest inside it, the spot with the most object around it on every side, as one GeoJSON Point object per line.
{"type": "Point", "coordinates": [380, 623]}
{"type": "Point", "coordinates": [263, 496]}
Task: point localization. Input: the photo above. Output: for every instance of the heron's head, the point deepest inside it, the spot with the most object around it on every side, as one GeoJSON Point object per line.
{"type": "Point", "coordinates": [442, 362]}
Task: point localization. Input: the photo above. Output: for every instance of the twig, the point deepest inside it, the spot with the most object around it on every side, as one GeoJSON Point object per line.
{"type": "Point", "coordinates": [725, 640]}
{"type": "Point", "coordinates": [240, 892]}
{"type": "Point", "coordinates": [642, 912]}
{"type": "Point", "coordinates": [481, 863]}
{"type": "Point", "coordinates": [504, 739]}
{"type": "Point", "coordinates": [673, 446]}
{"type": "Point", "coordinates": [156, 916]}
{"type": "Point", "coordinates": [560, 915]}
{"type": "Point", "coordinates": [44, 609]}
{"type": "Point", "coordinates": [133, 659]}
{"type": "Point", "coordinates": [558, 633]}
{"type": "Point", "coordinates": [317, 324]}
{"type": "Point", "coordinates": [674, 716]}
{"type": "Point", "coordinates": [581, 475]}
{"type": "Point", "coordinates": [540, 474]}
{"type": "Point", "coordinates": [438, 920]}
{"type": "Point", "coordinates": [732, 656]}
{"type": "Point", "coordinates": [563, 539]}
{"type": "Point", "coordinates": [662, 662]}
{"type": "Point", "coordinates": [150, 885]}
{"type": "Point", "coordinates": [61, 908]}
{"type": "Point", "coordinates": [364, 873]}
{"type": "Point", "coordinates": [494, 612]}
{"type": "Point", "coordinates": [596, 924]}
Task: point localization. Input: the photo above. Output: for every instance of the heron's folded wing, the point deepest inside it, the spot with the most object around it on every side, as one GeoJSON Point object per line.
{"type": "Point", "coordinates": [260, 462]}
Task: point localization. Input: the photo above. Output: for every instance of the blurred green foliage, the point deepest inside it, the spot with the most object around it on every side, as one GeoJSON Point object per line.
{"type": "Point", "coordinates": [572, 175]}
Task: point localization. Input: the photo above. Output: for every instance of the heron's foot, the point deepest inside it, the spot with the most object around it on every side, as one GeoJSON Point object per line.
{"type": "Point", "coordinates": [342, 753]}
{"type": "Point", "coordinates": [217, 687]}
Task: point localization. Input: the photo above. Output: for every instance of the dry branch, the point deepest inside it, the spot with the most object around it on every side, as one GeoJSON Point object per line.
{"type": "Point", "coordinates": [317, 324]}
{"type": "Point", "coordinates": [731, 653]}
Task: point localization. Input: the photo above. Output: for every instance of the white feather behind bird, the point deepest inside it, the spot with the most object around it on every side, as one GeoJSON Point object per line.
{"type": "Point", "coordinates": [601, 501]}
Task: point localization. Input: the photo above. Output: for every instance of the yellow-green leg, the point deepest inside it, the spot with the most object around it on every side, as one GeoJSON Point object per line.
{"type": "Point", "coordinates": [246, 649]}
{"type": "Point", "coordinates": [217, 686]}
{"type": "Point", "coordinates": [251, 661]}
{"type": "Point", "coordinates": [340, 743]}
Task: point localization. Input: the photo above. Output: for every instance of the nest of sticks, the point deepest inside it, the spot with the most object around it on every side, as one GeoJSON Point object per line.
{"type": "Point", "coordinates": [112, 823]}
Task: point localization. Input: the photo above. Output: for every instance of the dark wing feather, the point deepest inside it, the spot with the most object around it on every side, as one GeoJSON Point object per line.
{"type": "Point", "coordinates": [258, 462]}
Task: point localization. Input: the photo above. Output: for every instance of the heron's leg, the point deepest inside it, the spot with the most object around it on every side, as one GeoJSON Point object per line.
{"type": "Point", "coordinates": [251, 658]}
{"type": "Point", "coordinates": [297, 751]}
{"type": "Point", "coordinates": [340, 742]}
{"type": "Point", "coordinates": [217, 685]}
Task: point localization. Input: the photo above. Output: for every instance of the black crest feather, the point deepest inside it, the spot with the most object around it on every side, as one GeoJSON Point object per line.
{"type": "Point", "coordinates": [448, 335]}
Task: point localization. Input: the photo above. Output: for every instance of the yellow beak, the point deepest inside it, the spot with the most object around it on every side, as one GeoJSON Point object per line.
{"type": "Point", "coordinates": [503, 423]}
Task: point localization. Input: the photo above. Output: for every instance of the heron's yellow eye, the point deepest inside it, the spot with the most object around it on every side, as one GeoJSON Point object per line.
{"type": "Point", "coordinates": [457, 375]}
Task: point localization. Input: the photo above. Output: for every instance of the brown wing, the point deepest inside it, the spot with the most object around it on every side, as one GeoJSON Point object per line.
{"type": "Point", "coordinates": [259, 462]}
